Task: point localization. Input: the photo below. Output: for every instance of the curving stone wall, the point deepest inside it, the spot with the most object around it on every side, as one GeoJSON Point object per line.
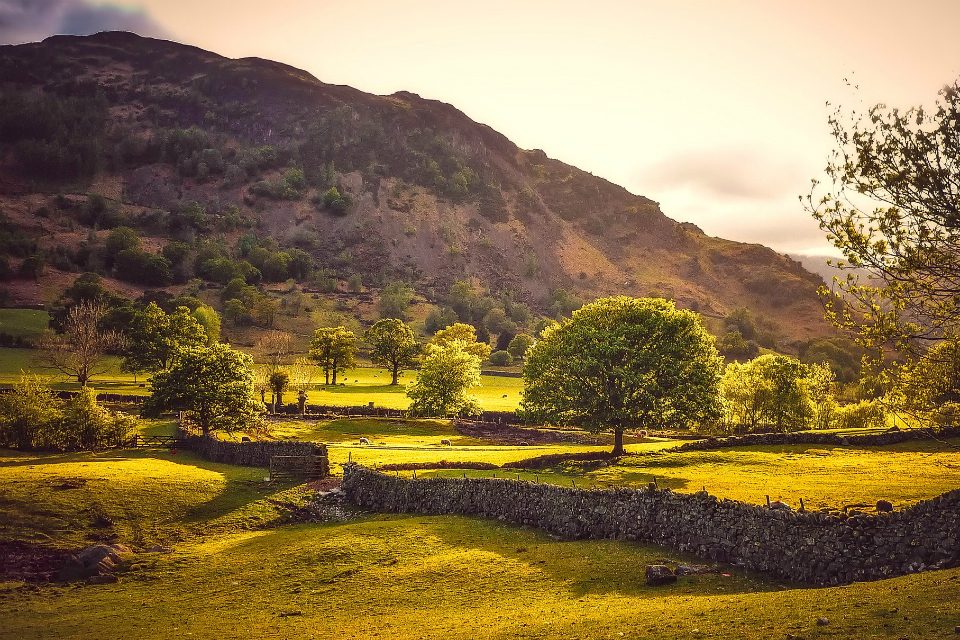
{"type": "Point", "coordinates": [806, 547]}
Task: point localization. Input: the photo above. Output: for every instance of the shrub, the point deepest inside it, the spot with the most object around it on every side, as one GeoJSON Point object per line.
{"type": "Point", "coordinates": [862, 415]}
{"type": "Point", "coordinates": [501, 358]}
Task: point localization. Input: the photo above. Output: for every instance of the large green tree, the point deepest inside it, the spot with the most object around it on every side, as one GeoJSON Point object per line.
{"type": "Point", "coordinates": [892, 206]}
{"type": "Point", "coordinates": [213, 385]}
{"type": "Point", "coordinates": [334, 350]}
{"type": "Point", "coordinates": [447, 373]}
{"type": "Point", "coordinates": [394, 345]}
{"type": "Point", "coordinates": [624, 362]}
{"type": "Point", "coordinates": [154, 337]}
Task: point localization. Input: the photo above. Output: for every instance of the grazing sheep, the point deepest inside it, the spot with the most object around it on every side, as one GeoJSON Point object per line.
{"type": "Point", "coordinates": [642, 433]}
{"type": "Point", "coordinates": [446, 443]}
{"type": "Point", "coordinates": [364, 441]}
{"type": "Point", "coordinates": [778, 504]}
{"type": "Point", "coordinates": [504, 395]}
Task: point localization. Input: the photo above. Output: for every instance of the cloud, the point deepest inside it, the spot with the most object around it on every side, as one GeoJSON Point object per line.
{"type": "Point", "coordinates": [727, 174]}
{"type": "Point", "coordinates": [32, 20]}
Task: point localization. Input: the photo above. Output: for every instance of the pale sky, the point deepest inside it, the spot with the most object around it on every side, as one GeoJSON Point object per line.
{"type": "Point", "coordinates": [714, 108]}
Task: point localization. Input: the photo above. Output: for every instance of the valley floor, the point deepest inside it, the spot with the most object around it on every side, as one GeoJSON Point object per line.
{"type": "Point", "coordinates": [242, 566]}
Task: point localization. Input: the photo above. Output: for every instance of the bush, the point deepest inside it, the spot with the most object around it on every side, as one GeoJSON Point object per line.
{"type": "Point", "coordinates": [501, 358]}
{"type": "Point", "coordinates": [862, 415]}
{"type": "Point", "coordinates": [32, 417]}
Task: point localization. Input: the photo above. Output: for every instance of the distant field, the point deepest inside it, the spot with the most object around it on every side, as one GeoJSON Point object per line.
{"type": "Point", "coordinates": [25, 323]}
{"type": "Point", "coordinates": [369, 384]}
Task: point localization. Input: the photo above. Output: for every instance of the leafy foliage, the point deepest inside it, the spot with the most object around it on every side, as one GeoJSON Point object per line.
{"type": "Point", "coordinates": [32, 417]}
{"type": "Point", "coordinates": [334, 350]}
{"type": "Point", "coordinates": [213, 385]}
{"type": "Point", "coordinates": [394, 345]}
{"type": "Point", "coordinates": [154, 338]}
{"type": "Point", "coordinates": [893, 209]}
{"type": "Point", "coordinates": [778, 393]}
{"type": "Point", "coordinates": [622, 362]}
{"type": "Point", "coordinates": [448, 371]}
{"type": "Point", "coordinates": [464, 333]}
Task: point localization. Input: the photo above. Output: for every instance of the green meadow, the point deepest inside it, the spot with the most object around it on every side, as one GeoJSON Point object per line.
{"type": "Point", "coordinates": [245, 564]}
{"type": "Point", "coordinates": [239, 571]}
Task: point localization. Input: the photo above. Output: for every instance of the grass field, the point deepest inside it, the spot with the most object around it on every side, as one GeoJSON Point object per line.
{"type": "Point", "coordinates": [26, 323]}
{"type": "Point", "coordinates": [389, 576]}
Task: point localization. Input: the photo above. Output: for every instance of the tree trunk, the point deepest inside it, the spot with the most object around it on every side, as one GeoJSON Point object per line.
{"type": "Point", "coordinates": [396, 373]}
{"type": "Point", "coordinates": [618, 441]}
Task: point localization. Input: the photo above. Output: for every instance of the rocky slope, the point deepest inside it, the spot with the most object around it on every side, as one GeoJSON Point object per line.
{"type": "Point", "coordinates": [153, 125]}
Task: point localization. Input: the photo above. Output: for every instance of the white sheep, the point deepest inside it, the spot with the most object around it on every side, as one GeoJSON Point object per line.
{"type": "Point", "coordinates": [364, 441]}
{"type": "Point", "coordinates": [446, 443]}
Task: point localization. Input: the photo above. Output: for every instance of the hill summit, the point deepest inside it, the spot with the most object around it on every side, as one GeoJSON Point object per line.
{"type": "Point", "coordinates": [186, 145]}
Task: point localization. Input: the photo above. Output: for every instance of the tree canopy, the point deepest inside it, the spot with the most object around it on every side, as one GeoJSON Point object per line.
{"type": "Point", "coordinates": [447, 374]}
{"type": "Point", "coordinates": [334, 350]}
{"type": "Point", "coordinates": [893, 208]}
{"type": "Point", "coordinates": [394, 345]}
{"type": "Point", "coordinates": [154, 337]}
{"type": "Point", "coordinates": [465, 333]}
{"type": "Point", "coordinates": [213, 385]}
{"type": "Point", "coordinates": [622, 362]}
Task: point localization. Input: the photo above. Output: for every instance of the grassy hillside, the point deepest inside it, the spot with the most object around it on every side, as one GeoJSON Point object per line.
{"type": "Point", "coordinates": [238, 572]}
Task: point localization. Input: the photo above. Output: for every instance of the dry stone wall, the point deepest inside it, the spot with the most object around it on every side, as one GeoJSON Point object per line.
{"type": "Point", "coordinates": [253, 454]}
{"type": "Point", "coordinates": [807, 547]}
{"type": "Point", "coordinates": [816, 437]}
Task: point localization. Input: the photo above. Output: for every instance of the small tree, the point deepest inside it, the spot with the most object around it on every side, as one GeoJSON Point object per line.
{"type": "Point", "coordinates": [334, 350]}
{"type": "Point", "coordinates": [621, 362]}
{"type": "Point", "coordinates": [395, 300]}
{"type": "Point", "coordinates": [446, 375]}
{"type": "Point", "coordinates": [81, 349]}
{"type": "Point", "coordinates": [394, 345]}
{"type": "Point", "coordinates": [519, 345]}
{"type": "Point", "coordinates": [279, 380]}
{"type": "Point", "coordinates": [214, 385]}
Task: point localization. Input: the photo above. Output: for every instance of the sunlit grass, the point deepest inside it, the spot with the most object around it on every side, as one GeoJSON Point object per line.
{"type": "Point", "coordinates": [366, 384]}
{"type": "Point", "coordinates": [452, 577]}
{"type": "Point", "coordinates": [150, 496]}
{"type": "Point", "coordinates": [824, 477]}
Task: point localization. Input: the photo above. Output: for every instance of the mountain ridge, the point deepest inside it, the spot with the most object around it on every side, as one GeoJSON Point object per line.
{"type": "Point", "coordinates": [438, 197]}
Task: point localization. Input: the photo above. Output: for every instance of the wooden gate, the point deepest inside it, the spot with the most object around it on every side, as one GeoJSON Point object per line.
{"type": "Point", "coordinates": [290, 467]}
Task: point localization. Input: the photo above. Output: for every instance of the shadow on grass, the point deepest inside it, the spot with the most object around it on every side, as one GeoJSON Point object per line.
{"type": "Point", "coordinates": [587, 567]}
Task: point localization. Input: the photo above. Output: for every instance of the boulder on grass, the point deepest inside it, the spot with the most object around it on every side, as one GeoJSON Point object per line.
{"type": "Point", "coordinates": [98, 560]}
{"type": "Point", "coordinates": [660, 574]}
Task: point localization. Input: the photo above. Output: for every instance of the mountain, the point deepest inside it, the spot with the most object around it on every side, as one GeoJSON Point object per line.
{"type": "Point", "coordinates": [183, 144]}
